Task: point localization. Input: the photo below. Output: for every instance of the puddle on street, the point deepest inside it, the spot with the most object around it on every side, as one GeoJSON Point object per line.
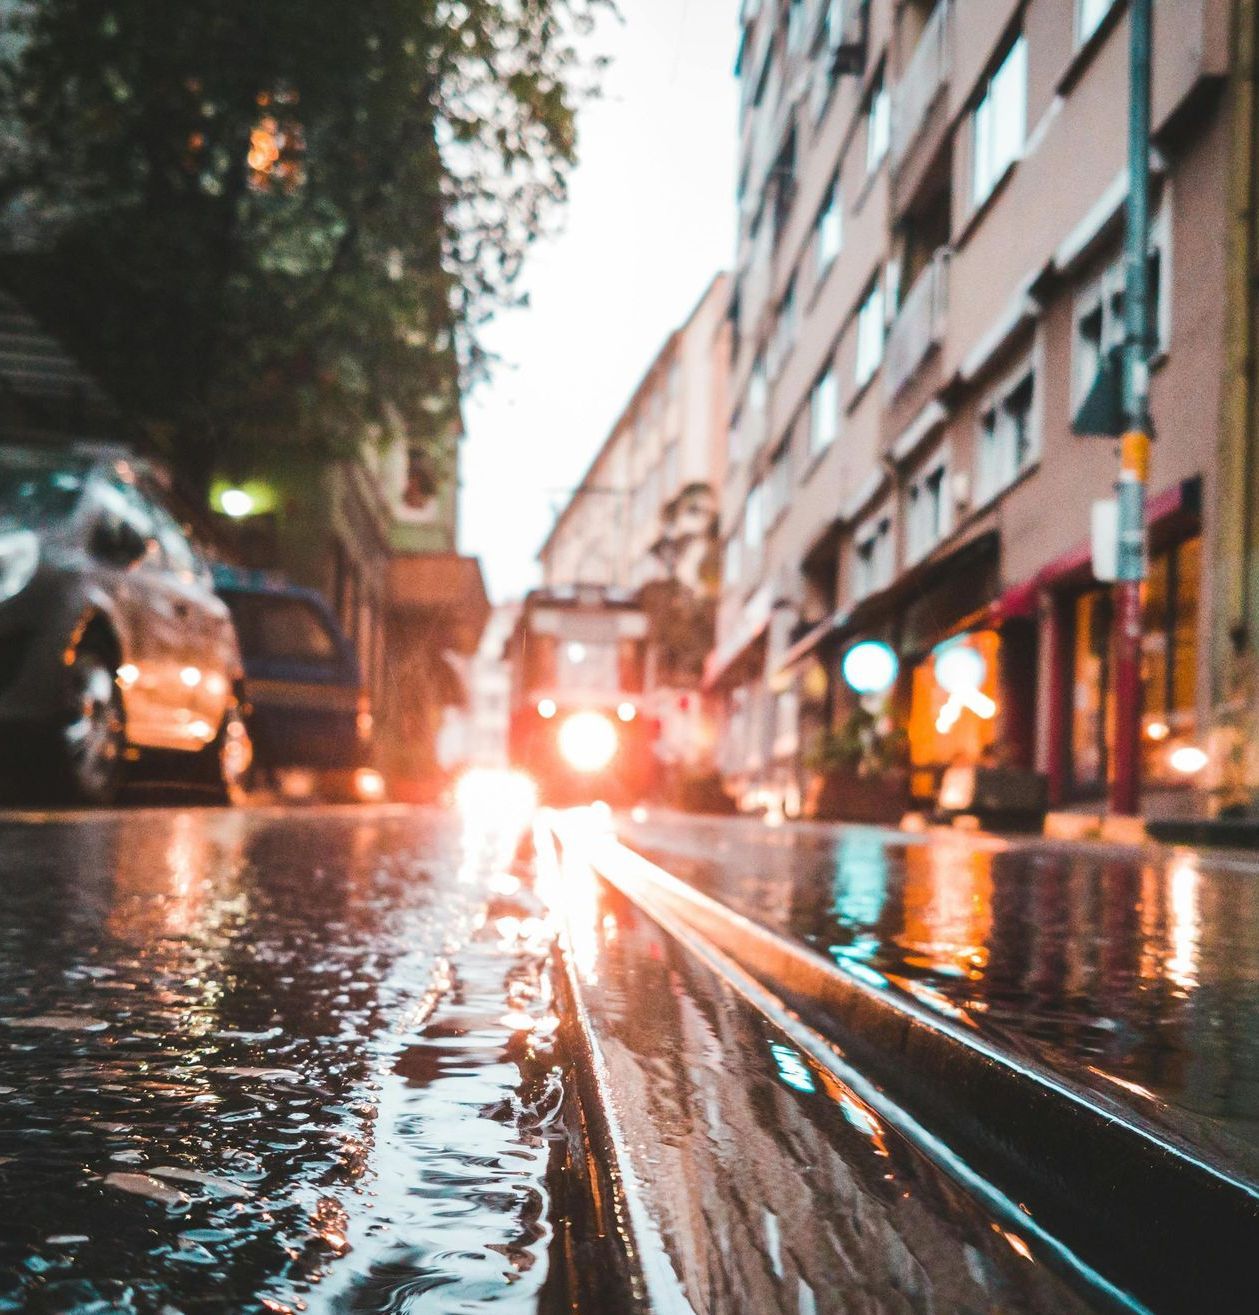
{"type": "Point", "coordinates": [1139, 978]}
{"type": "Point", "coordinates": [268, 1062]}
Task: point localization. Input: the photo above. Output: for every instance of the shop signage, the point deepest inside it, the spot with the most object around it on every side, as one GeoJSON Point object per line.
{"type": "Point", "coordinates": [870, 667]}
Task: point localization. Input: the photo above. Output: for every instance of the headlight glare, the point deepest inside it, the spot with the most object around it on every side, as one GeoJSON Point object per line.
{"type": "Point", "coordinates": [588, 741]}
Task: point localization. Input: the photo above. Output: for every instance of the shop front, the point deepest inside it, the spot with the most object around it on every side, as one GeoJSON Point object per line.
{"type": "Point", "coordinates": [1083, 698]}
{"type": "Point", "coordinates": [1169, 674]}
{"type": "Point", "coordinates": [965, 688]}
{"type": "Point", "coordinates": [969, 686]}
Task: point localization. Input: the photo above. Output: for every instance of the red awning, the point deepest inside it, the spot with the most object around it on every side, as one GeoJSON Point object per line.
{"type": "Point", "coordinates": [1181, 500]}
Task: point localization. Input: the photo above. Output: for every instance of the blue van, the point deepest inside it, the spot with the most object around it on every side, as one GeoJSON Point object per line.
{"type": "Point", "coordinates": [308, 714]}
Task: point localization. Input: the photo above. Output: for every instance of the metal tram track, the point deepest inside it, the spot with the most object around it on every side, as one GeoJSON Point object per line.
{"type": "Point", "coordinates": [1125, 1214]}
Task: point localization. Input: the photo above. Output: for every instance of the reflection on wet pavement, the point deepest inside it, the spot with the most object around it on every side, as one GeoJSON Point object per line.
{"type": "Point", "coordinates": [1140, 978]}
{"type": "Point", "coordinates": [774, 1188]}
{"type": "Point", "coordinates": [268, 1062]}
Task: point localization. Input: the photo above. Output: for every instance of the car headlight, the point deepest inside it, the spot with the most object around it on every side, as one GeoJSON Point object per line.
{"type": "Point", "coordinates": [19, 556]}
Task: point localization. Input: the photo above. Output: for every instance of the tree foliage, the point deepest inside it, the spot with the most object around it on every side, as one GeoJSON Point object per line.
{"type": "Point", "coordinates": [280, 222]}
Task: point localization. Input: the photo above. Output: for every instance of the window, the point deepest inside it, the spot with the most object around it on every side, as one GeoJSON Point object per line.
{"type": "Point", "coordinates": [1088, 17]}
{"type": "Point", "coordinates": [757, 385]}
{"type": "Point", "coordinates": [928, 513]}
{"type": "Point", "coordinates": [829, 237]}
{"type": "Point", "coordinates": [830, 36]}
{"type": "Point", "coordinates": [872, 558]}
{"type": "Point", "coordinates": [732, 560]}
{"type": "Point", "coordinates": [831, 33]}
{"type": "Point", "coordinates": [760, 84]}
{"type": "Point", "coordinates": [754, 521]}
{"type": "Point", "coordinates": [870, 332]}
{"type": "Point", "coordinates": [1008, 442]}
{"type": "Point", "coordinates": [783, 176]}
{"type": "Point", "coordinates": [734, 445]}
{"type": "Point", "coordinates": [1169, 658]}
{"type": "Point", "coordinates": [179, 555]}
{"type": "Point", "coordinates": [777, 482]}
{"type": "Point", "coordinates": [420, 480]}
{"type": "Point", "coordinates": [878, 125]}
{"type": "Point", "coordinates": [672, 468]}
{"type": "Point", "coordinates": [999, 123]}
{"type": "Point", "coordinates": [275, 627]}
{"type": "Point", "coordinates": [795, 24]}
{"type": "Point", "coordinates": [1099, 312]}
{"type": "Point", "coordinates": [123, 502]}
{"type": "Point", "coordinates": [38, 489]}
{"type": "Point", "coordinates": [784, 328]}
{"type": "Point", "coordinates": [824, 412]}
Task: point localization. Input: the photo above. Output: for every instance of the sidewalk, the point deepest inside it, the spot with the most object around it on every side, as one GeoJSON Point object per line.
{"type": "Point", "coordinates": [1135, 970]}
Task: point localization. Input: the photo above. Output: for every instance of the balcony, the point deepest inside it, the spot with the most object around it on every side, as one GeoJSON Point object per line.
{"type": "Point", "coordinates": [921, 84]}
{"type": "Point", "coordinates": [919, 325]}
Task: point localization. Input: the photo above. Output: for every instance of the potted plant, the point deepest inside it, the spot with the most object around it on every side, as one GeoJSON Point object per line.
{"type": "Point", "coordinates": [860, 770]}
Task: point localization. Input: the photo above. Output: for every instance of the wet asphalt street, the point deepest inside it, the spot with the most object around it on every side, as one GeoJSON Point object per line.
{"type": "Point", "coordinates": [268, 1060]}
{"type": "Point", "coordinates": [322, 1060]}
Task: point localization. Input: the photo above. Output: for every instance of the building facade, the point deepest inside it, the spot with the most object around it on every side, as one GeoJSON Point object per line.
{"type": "Point", "coordinates": [629, 520]}
{"type": "Point", "coordinates": [377, 535]}
{"type": "Point", "coordinates": [929, 273]}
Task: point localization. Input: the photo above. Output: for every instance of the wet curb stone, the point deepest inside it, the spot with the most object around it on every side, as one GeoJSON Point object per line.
{"type": "Point", "coordinates": [1171, 1226]}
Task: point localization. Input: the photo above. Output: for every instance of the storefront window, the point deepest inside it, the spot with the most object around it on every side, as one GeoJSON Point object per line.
{"type": "Point", "coordinates": [1169, 671]}
{"type": "Point", "coordinates": [952, 718]}
{"type": "Point", "coordinates": [1169, 668]}
{"type": "Point", "coordinates": [1090, 704]}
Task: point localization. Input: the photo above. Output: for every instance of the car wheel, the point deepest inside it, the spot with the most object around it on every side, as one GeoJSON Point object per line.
{"type": "Point", "coordinates": [228, 759]}
{"type": "Point", "coordinates": [87, 749]}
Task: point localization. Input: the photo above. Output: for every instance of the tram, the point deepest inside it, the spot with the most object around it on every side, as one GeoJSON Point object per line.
{"type": "Point", "coordinates": [578, 723]}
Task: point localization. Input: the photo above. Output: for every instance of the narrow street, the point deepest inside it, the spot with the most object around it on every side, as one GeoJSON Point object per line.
{"type": "Point", "coordinates": [320, 1059]}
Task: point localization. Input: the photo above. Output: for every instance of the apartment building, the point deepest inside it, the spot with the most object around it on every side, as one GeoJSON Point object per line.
{"type": "Point", "coordinates": [643, 508]}
{"type": "Point", "coordinates": [929, 270]}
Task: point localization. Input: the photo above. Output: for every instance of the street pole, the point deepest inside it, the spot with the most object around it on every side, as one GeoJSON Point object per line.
{"type": "Point", "coordinates": [1134, 460]}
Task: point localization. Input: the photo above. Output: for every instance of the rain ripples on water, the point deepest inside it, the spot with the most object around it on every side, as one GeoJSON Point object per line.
{"type": "Point", "coordinates": [264, 1063]}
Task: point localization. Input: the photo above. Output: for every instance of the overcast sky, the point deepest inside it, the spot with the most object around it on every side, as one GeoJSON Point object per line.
{"type": "Point", "coordinates": [650, 219]}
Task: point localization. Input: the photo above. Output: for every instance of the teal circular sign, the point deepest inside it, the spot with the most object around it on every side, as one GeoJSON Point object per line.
{"type": "Point", "coordinates": [870, 667]}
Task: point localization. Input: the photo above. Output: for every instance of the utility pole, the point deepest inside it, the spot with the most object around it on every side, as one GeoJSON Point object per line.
{"type": "Point", "coordinates": [1134, 461]}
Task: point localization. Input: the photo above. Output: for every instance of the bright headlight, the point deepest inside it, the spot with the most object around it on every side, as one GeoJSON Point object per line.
{"type": "Point", "coordinates": [19, 556]}
{"type": "Point", "coordinates": [588, 741]}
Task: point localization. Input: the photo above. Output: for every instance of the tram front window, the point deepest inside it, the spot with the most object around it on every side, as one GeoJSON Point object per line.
{"type": "Point", "coordinates": [587, 668]}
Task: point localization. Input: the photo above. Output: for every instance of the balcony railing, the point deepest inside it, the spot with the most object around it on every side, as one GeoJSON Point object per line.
{"type": "Point", "coordinates": [919, 325]}
{"type": "Point", "coordinates": [925, 77]}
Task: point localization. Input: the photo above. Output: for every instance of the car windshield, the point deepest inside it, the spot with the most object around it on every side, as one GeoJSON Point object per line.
{"type": "Point", "coordinates": [281, 629]}
{"type": "Point", "coordinates": [35, 490]}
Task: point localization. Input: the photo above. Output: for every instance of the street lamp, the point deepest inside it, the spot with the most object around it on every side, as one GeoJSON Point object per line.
{"type": "Point", "coordinates": [236, 503]}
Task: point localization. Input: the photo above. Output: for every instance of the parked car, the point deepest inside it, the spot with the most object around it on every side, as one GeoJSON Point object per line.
{"type": "Point", "coordinates": [309, 717]}
{"type": "Point", "coordinates": [114, 649]}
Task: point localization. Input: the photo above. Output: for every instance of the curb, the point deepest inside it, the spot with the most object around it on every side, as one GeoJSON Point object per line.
{"type": "Point", "coordinates": [1161, 1222]}
{"type": "Point", "coordinates": [612, 1262]}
